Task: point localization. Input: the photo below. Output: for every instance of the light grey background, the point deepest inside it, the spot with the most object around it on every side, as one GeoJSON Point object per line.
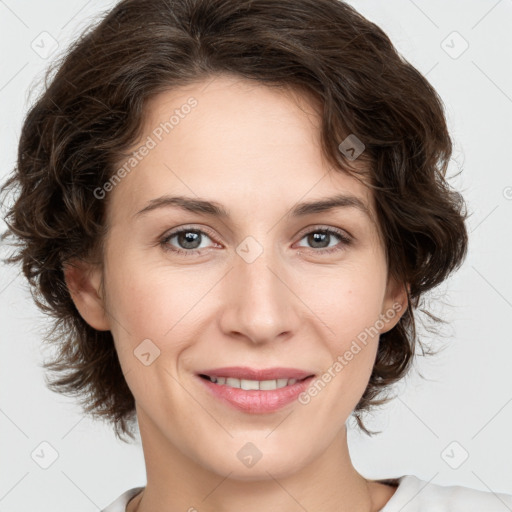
{"type": "Point", "coordinates": [466, 396]}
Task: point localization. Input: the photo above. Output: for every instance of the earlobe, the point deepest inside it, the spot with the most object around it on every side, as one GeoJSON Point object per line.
{"type": "Point", "coordinates": [83, 281]}
{"type": "Point", "coordinates": [395, 304]}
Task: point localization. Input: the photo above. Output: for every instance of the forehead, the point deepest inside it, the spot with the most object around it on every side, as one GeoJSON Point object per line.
{"type": "Point", "coordinates": [237, 142]}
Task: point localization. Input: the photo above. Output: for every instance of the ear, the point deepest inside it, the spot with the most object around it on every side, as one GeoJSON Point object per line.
{"type": "Point", "coordinates": [84, 284]}
{"type": "Point", "coordinates": [394, 305]}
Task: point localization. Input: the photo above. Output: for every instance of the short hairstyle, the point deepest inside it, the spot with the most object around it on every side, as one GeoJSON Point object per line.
{"type": "Point", "coordinates": [92, 109]}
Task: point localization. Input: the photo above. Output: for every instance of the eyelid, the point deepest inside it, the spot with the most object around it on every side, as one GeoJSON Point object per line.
{"type": "Point", "coordinates": [210, 233]}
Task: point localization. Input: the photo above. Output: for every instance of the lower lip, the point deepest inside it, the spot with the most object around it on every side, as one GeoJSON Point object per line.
{"type": "Point", "coordinates": [257, 401]}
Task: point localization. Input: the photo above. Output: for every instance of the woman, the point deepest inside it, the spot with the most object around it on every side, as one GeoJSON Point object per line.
{"type": "Point", "coordinates": [232, 209]}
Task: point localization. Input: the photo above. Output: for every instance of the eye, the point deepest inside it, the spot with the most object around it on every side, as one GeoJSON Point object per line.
{"type": "Point", "coordinates": [320, 238]}
{"type": "Point", "coordinates": [189, 241]}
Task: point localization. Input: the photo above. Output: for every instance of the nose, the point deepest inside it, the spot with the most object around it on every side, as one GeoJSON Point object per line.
{"type": "Point", "coordinates": [260, 304]}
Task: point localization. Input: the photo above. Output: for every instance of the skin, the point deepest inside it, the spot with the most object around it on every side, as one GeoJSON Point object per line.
{"type": "Point", "coordinates": [255, 150]}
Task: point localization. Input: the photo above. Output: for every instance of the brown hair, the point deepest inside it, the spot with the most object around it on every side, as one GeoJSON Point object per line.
{"type": "Point", "coordinates": [92, 109]}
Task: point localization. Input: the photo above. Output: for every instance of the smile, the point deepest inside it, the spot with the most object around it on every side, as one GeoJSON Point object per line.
{"type": "Point", "coordinates": [254, 396]}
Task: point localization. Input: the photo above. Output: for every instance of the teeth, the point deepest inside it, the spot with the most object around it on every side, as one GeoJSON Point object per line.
{"type": "Point", "coordinates": [265, 385]}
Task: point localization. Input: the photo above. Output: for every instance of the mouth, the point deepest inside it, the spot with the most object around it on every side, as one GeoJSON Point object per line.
{"type": "Point", "coordinates": [255, 391]}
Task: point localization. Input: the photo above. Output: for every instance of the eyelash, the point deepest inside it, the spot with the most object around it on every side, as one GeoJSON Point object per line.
{"type": "Point", "coordinates": [164, 242]}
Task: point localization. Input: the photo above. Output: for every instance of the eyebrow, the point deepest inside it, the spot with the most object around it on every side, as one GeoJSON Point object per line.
{"type": "Point", "coordinates": [214, 209]}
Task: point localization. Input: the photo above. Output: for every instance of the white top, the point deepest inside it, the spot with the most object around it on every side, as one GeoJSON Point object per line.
{"type": "Point", "coordinates": [412, 495]}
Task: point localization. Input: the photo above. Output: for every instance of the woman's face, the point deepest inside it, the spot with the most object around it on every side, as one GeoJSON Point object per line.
{"type": "Point", "coordinates": [262, 287]}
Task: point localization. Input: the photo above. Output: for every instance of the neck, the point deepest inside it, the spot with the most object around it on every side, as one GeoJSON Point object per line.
{"type": "Point", "coordinates": [177, 482]}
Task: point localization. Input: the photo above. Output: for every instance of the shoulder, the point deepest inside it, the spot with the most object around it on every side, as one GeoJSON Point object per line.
{"type": "Point", "coordinates": [416, 495]}
{"type": "Point", "coordinates": [119, 504]}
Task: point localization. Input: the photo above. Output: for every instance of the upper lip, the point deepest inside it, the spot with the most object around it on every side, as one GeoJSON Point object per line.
{"type": "Point", "coordinates": [244, 372]}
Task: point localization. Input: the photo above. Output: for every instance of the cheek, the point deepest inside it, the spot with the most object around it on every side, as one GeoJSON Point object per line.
{"type": "Point", "coordinates": [154, 322]}
{"type": "Point", "coordinates": [150, 300]}
{"type": "Point", "coordinates": [348, 300]}
{"type": "Point", "coordinates": [350, 308]}
{"type": "Point", "coordinates": [351, 343]}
